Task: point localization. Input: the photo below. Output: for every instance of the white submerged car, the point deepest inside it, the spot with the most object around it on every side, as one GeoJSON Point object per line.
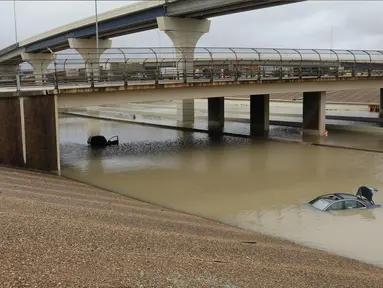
{"type": "Point", "coordinates": [344, 201]}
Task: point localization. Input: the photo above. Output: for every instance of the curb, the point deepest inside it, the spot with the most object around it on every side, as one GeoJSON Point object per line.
{"type": "Point", "coordinates": [199, 130]}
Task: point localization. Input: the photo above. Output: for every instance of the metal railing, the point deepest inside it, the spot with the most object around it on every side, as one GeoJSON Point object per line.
{"type": "Point", "coordinates": [134, 66]}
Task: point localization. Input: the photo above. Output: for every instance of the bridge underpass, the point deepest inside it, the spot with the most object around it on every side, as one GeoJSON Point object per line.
{"type": "Point", "coordinates": [32, 113]}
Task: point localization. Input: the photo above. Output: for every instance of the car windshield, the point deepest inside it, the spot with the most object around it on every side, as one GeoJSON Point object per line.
{"type": "Point", "coordinates": [320, 204]}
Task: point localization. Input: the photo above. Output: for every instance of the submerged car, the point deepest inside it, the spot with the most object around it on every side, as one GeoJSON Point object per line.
{"type": "Point", "coordinates": [100, 141]}
{"type": "Point", "coordinates": [342, 201]}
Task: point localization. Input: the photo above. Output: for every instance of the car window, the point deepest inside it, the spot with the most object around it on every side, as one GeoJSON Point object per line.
{"type": "Point", "coordinates": [350, 204]}
{"type": "Point", "coordinates": [360, 204]}
{"type": "Point", "coordinates": [339, 205]}
{"type": "Point", "coordinates": [320, 204]}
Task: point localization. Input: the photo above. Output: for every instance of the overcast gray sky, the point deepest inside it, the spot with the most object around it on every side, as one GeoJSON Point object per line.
{"type": "Point", "coordinates": [356, 24]}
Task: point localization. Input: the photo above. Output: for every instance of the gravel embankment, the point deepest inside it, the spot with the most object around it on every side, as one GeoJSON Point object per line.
{"type": "Point", "coordinates": [60, 233]}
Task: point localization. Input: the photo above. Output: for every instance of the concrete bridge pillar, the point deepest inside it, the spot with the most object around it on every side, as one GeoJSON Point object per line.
{"type": "Point", "coordinates": [29, 133]}
{"type": "Point", "coordinates": [259, 115]}
{"type": "Point", "coordinates": [314, 113]}
{"type": "Point", "coordinates": [185, 110]}
{"type": "Point", "coordinates": [11, 142]}
{"type": "Point", "coordinates": [216, 113]}
{"type": "Point", "coordinates": [184, 33]}
{"type": "Point", "coordinates": [87, 48]}
{"type": "Point", "coordinates": [39, 63]}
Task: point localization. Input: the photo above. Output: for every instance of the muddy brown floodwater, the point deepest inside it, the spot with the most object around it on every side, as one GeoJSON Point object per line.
{"type": "Point", "coordinates": [253, 184]}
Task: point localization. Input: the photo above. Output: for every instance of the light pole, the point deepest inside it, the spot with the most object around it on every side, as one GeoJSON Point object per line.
{"type": "Point", "coordinates": [331, 36]}
{"type": "Point", "coordinates": [97, 55]}
{"type": "Point", "coordinates": [159, 42]}
{"type": "Point", "coordinates": [15, 19]}
{"type": "Point", "coordinates": [96, 12]}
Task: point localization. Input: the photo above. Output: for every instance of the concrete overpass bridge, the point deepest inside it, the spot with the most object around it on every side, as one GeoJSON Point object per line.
{"type": "Point", "coordinates": [184, 21]}
{"type": "Point", "coordinates": [30, 115]}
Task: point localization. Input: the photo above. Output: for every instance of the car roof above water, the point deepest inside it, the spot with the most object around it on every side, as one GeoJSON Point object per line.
{"type": "Point", "coordinates": [333, 197]}
{"type": "Point", "coordinates": [338, 196]}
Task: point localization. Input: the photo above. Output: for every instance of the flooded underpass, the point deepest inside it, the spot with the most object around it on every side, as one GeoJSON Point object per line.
{"type": "Point", "coordinates": [254, 184]}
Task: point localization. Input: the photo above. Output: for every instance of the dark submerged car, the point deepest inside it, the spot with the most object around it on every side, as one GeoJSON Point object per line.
{"type": "Point", "coordinates": [342, 201]}
{"type": "Point", "coordinates": [100, 141]}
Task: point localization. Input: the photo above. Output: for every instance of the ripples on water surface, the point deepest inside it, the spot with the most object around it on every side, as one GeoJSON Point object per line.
{"type": "Point", "coordinates": [257, 185]}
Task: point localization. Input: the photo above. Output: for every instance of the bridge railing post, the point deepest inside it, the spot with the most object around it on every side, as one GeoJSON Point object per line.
{"type": "Point", "coordinates": [280, 64]}
{"type": "Point", "coordinates": [299, 73]}
{"type": "Point", "coordinates": [259, 64]}
{"type": "Point", "coordinates": [126, 73]}
{"type": "Point", "coordinates": [370, 64]}
{"type": "Point", "coordinates": [106, 77]}
{"type": "Point", "coordinates": [157, 74]}
{"type": "Point", "coordinates": [301, 64]}
{"type": "Point", "coordinates": [236, 65]}
{"type": "Point", "coordinates": [185, 79]}
{"type": "Point", "coordinates": [125, 79]}
{"type": "Point", "coordinates": [353, 70]}
{"type": "Point", "coordinates": [65, 72]}
{"type": "Point", "coordinates": [320, 70]}
{"type": "Point", "coordinates": [55, 79]}
{"type": "Point", "coordinates": [91, 75]}
{"type": "Point", "coordinates": [337, 61]}
{"type": "Point", "coordinates": [18, 86]}
{"type": "Point", "coordinates": [157, 66]}
{"type": "Point", "coordinates": [211, 65]}
{"type": "Point", "coordinates": [280, 72]}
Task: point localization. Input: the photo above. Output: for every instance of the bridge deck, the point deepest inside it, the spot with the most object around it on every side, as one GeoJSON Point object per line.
{"type": "Point", "coordinates": [148, 91]}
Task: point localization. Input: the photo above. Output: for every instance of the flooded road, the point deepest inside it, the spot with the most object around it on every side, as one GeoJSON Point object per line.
{"type": "Point", "coordinates": [238, 110]}
{"type": "Point", "coordinates": [253, 184]}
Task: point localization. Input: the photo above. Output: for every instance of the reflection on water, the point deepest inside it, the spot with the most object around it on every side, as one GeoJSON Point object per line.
{"type": "Point", "coordinates": [254, 184]}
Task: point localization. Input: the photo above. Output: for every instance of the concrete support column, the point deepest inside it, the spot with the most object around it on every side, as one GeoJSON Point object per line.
{"type": "Point", "coordinates": [184, 33]}
{"type": "Point", "coordinates": [39, 63]}
{"type": "Point", "coordinates": [87, 48]}
{"type": "Point", "coordinates": [314, 113]}
{"type": "Point", "coordinates": [185, 110]}
{"type": "Point", "coordinates": [29, 133]}
{"type": "Point", "coordinates": [259, 115]}
{"type": "Point", "coordinates": [216, 113]}
{"type": "Point", "coordinates": [11, 141]}
{"type": "Point", "coordinates": [42, 133]}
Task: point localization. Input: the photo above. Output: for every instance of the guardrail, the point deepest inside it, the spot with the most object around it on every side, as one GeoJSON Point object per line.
{"type": "Point", "coordinates": [130, 66]}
